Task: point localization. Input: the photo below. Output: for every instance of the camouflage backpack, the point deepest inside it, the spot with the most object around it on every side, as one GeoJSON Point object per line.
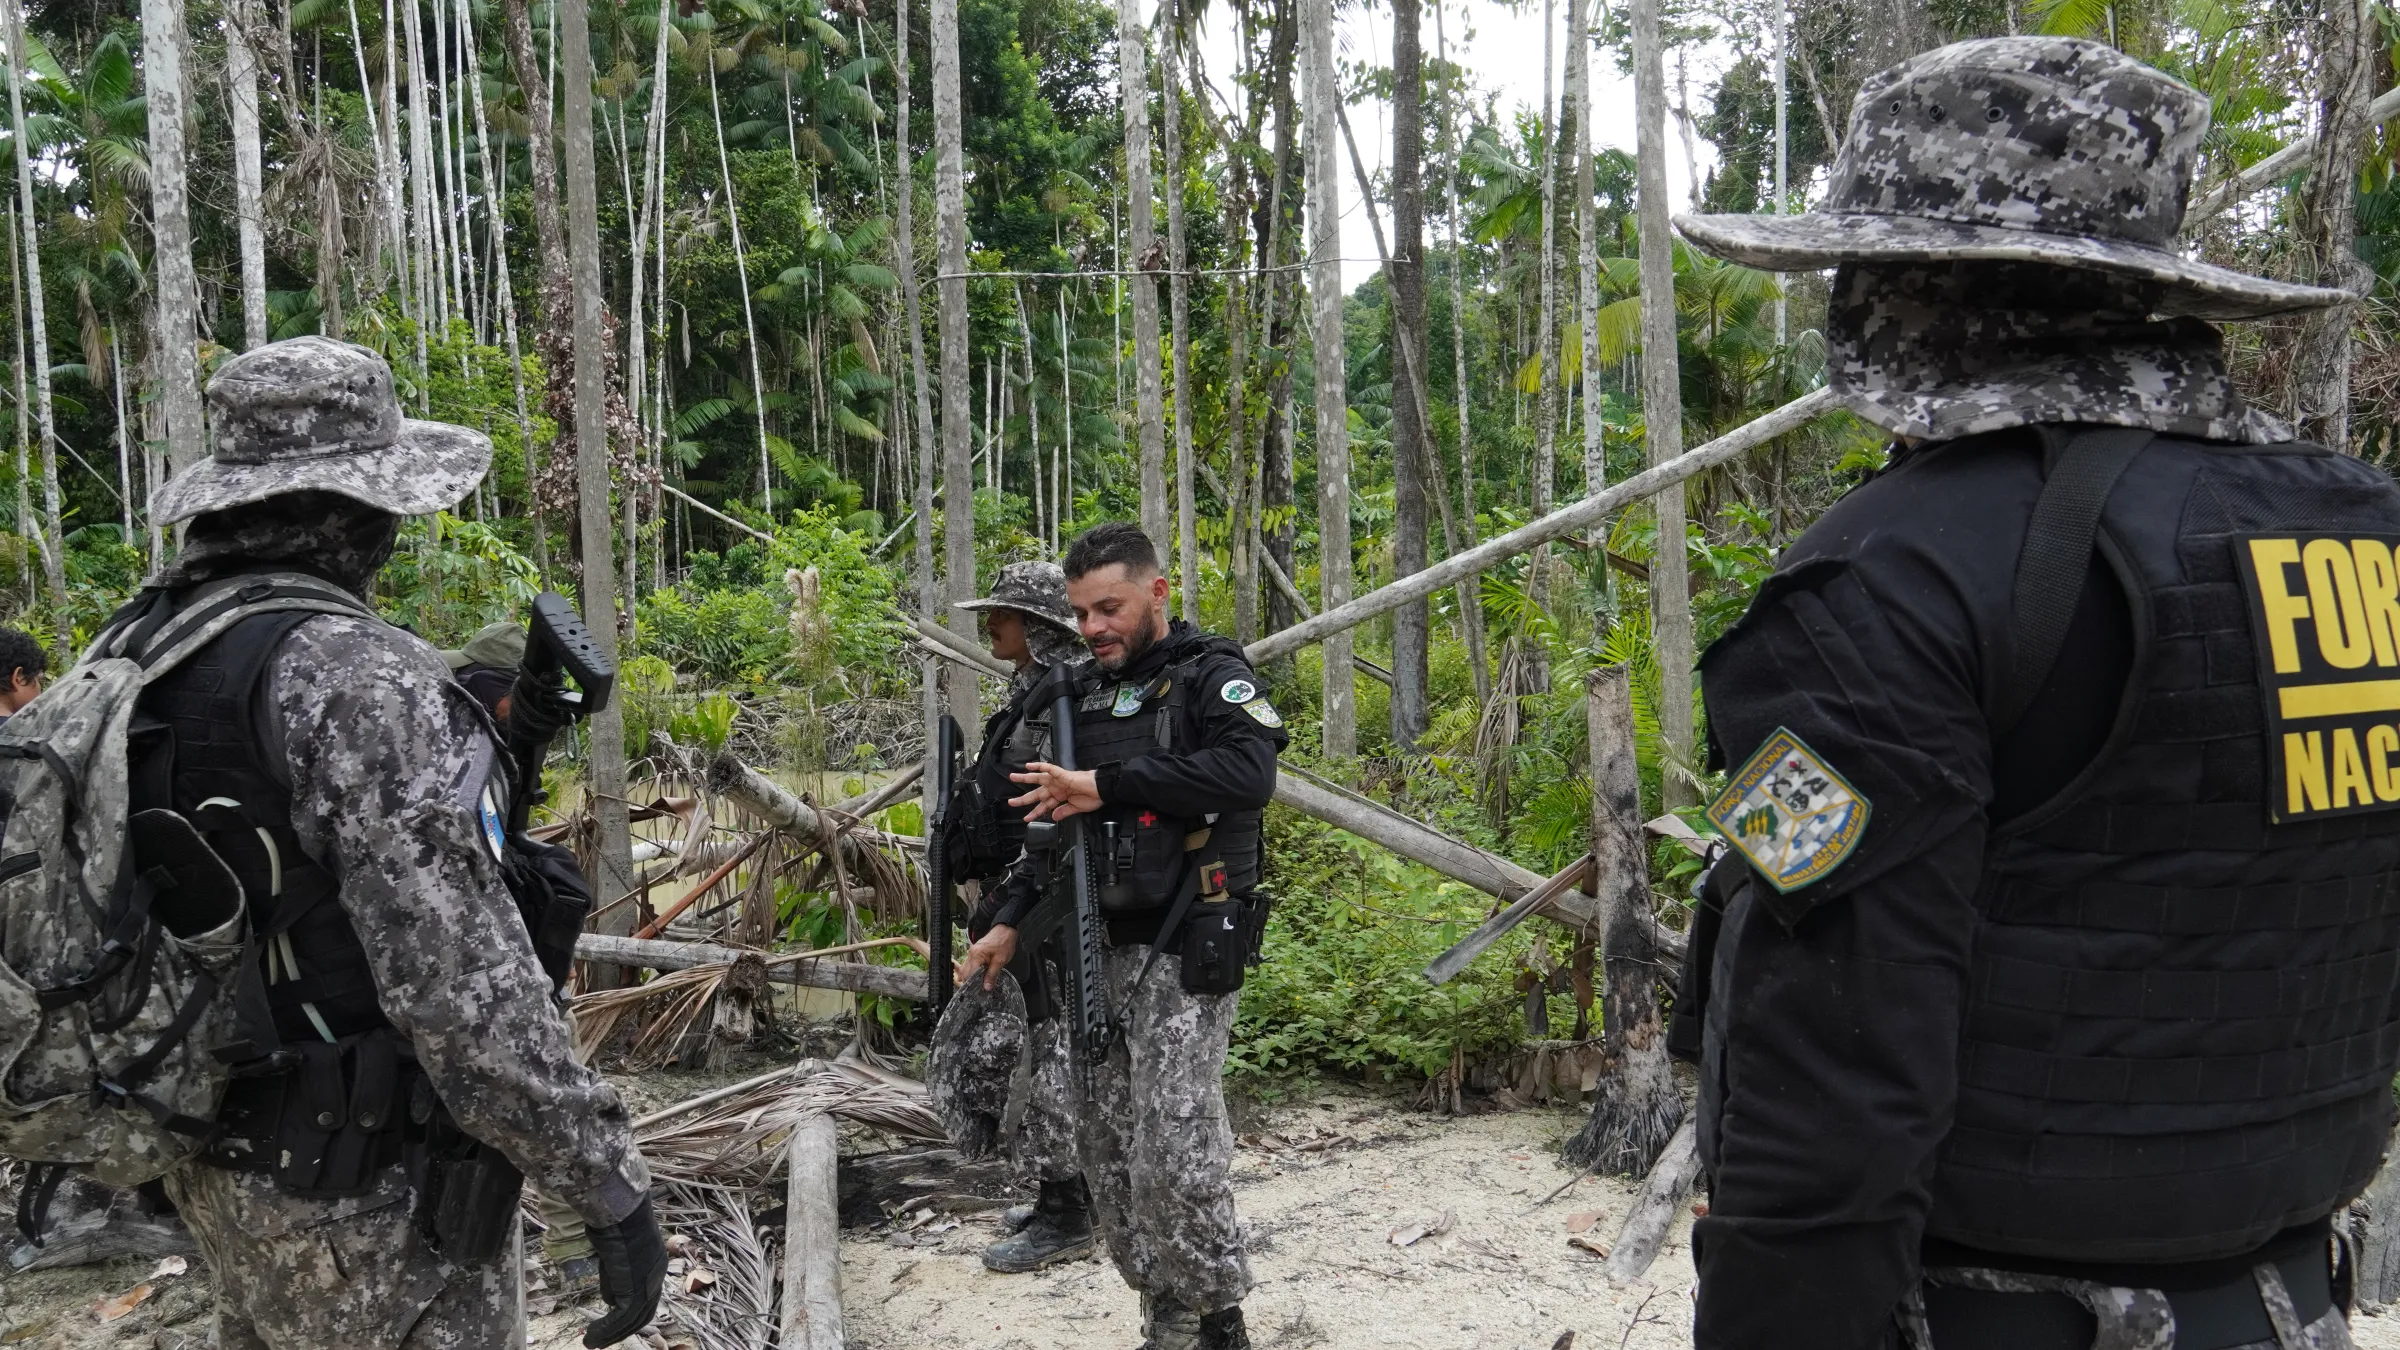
{"type": "Point", "coordinates": [124, 941]}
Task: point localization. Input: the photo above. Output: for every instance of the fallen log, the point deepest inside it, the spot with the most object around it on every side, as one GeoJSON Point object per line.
{"type": "Point", "coordinates": [812, 1248]}
{"type": "Point", "coordinates": [1571, 519]}
{"type": "Point", "coordinates": [951, 645]}
{"type": "Point", "coordinates": [1654, 1210]}
{"type": "Point", "coordinates": [1420, 843]}
{"type": "Point", "coordinates": [769, 800]}
{"type": "Point", "coordinates": [1458, 958]}
{"type": "Point", "coordinates": [812, 972]}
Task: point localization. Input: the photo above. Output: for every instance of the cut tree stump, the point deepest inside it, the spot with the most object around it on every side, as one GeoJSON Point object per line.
{"type": "Point", "coordinates": [1635, 1104]}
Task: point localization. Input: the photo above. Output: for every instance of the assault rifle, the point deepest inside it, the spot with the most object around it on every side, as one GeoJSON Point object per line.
{"type": "Point", "coordinates": [556, 642]}
{"type": "Point", "coordinates": [467, 1190]}
{"type": "Point", "coordinates": [1071, 901]}
{"type": "Point", "coordinates": [943, 772]}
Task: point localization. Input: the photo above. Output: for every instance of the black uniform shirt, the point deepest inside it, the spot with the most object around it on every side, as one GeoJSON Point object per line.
{"type": "Point", "coordinates": [1224, 758]}
{"type": "Point", "coordinates": [1883, 642]}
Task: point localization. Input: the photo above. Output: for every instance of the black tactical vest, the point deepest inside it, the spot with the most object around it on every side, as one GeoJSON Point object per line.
{"type": "Point", "coordinates": [1148, 859]}
{"type": "Point", "coordinates": [2184, 1018]}
{"type": "Point", "coordinates": [327, 1112]}
{"type": "Point", "coordinates": [983, 832]}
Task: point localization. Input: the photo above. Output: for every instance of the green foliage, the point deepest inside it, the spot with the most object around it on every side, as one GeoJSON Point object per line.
{"type": "Point", "coordinates": [1343, 990]}
{"type": "Point", "coordinates": [732, 621]}
{"type": "Point", "coordinates": [707, 723]}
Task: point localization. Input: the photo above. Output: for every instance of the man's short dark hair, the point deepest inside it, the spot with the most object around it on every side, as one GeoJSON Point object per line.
{"type": "Point", "coordinates": [1117, 541]}
{"type": "Point", "coordinates": [19, 652]}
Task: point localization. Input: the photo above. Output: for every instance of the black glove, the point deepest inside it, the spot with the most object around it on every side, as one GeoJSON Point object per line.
{"type": "Point", "coordinates": [633, 1264]}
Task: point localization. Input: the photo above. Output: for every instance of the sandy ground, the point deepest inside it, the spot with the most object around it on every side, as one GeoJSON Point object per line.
{"type": "Point", "coordinates": [1322, 1186]}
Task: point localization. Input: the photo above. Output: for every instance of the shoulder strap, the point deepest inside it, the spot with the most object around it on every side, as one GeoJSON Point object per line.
{"type": "Point", "coordinates": [209, 613]}
{"type": "Point", "coordinates": [2084, 465]}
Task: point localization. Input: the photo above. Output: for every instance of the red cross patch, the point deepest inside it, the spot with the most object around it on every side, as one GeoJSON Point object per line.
{"type": "Point", "coordinates": [1146, 819]}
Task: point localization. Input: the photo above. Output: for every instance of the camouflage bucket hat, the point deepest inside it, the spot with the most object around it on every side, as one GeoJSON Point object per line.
{"type": "Point", "coordinates": [2022, 149]}
{"type": "Point", "coordinates": [1035, 589]}
{"type": "Point", "coordinates": [313, 414]}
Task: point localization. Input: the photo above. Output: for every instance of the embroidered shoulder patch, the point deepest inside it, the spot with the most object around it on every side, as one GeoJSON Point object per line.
{"type": "Point", "coordinates": [1790, 813]}
{"type": "Point", "coordinates": [1238, 691]}
{"type": "Point", "coordinates": [1263, 713]}
{"type": "Point", "coordinates": [2325, 620]}
{"type": "Point", "coordinates": [1129, 701]}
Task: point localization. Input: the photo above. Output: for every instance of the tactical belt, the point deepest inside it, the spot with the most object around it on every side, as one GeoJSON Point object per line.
{"type": "Point", "coordinates": [2217, 1305]}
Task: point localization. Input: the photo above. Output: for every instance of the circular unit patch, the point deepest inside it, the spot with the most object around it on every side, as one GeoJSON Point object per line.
{"type": "Point", "coordinates": [1238, 691]}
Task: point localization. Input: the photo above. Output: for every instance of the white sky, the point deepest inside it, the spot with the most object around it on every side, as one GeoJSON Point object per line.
{"type": "Point", "coordinates": [1501, 48]}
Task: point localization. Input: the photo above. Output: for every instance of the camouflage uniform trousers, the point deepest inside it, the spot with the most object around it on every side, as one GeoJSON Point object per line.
{"type": "Point", "coordinates": [2135, 1319]}
{"type": "Point", "coordinates": [1157, 1147]}
{"type": "Point", "coordinates": [1043, 1141]}
{"type": "Point", "coordinates": [294, 1273]}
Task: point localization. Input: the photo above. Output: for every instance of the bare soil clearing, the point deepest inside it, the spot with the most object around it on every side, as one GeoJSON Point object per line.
{"type": "Point", "coordinates": [1325, 1185]}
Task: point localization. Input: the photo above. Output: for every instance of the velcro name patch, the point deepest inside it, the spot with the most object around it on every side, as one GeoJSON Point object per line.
{"type": "Point", "coordinates": [2325, 618]}
{"type": "Point", "coordinates": [1789, 813]}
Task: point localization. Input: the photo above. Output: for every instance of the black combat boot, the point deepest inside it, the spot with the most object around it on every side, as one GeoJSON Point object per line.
{"type": "Point", "coordinates": [1223, 1330]}
{"type": "Point", "coordinates": [1168, 1325]}
{"type": "Point", "coordinates": [1060, 1230]}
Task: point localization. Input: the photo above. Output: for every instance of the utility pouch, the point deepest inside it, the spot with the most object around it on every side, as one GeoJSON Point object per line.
{"type": "Point", "coordinates": [1142, 862]}
{"type": "Point", "coordinates": [1213, 956]}
{"type": "Point", "coordinates": [337, 1126]}
{"type": "Point", "coordinates": [466, 1191]}
{"type": "Point", "coordinates": [552, 898]}
{"type": "Point", "coordinates": [1215, 945]}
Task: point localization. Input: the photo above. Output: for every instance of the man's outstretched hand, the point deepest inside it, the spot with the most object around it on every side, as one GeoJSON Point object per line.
{"type": "Point", "coordinates": [1057, 793]}
{"type": "Point", "coordinates": [991, 954]}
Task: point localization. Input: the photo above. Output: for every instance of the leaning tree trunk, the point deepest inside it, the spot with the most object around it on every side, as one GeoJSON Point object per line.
{"type": "Point", "coordinates": [1333, 410]}
{"type": "Point", "coordinates": [958, 427]}
{"type": "Point", "coordinates": [495, 200]}
{"type": "Point", "coordinates": [1411, 714]}
{"type": "Point", "coordinates": [27, 529]}
{"type": "Point", "coordinates": [1662, 404]}
{"type": "Point", "coordinates": [2321, 360]}
{"type": "Point", "coordinates": [591, 410]}
{"type": "Point", "coordinates": [1636, 1105]}
{"type": "Point", "coordinates": [1150, 417]}
{"type": "Point", "coordinates": [241, 76]}
{"type": "Point", "coordinates": [741, 274]}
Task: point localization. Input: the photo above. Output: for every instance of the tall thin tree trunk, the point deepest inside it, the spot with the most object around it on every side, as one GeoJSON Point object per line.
{"type": "Point", "coordinates": [1150, 417]}
{"type": "Point", "coordinates": [1471, 606]}
{"type": "Point", "coordinates": [1545, 337]}
{"type": "Point", "coordinates": [402, 243]}
{"type": "Point", "coordinates": [241, 75]}
{"type": "Point", "coordinates": [37, 325]}
{"type": "Point", "coordinates": [384, 172]}
{"type": "Point", "coordinates": [2329, 214]}
{"type": "Point", "coordinates": [958, 419]}
{"type": "Point", "coordinates": [171, 230]}
{"type": "Point", "coordinates": [1279, 316]}
{"type": "Point", "coordinates": [599, 582]}
{"type": "Point", "coordinates": [116, 368]}
{"type": "Point", "coordinates": [433, 301]}
{"type": "Point", "coordinates": [1587, 240]}
{"type": "Point", "coordinates": [495, 198]}
{"type": "Point", "coordinates": [555, 344]}
{"type": "Point", "coordinates": [28, 529]}
{"type": "Point", "coordinates": [1411, 712]}
{"type": "Point", "coordinates": [1333, 410]}
{"type": "Point", "coordinates": [741, 269]}
{"type": "Point", "coordinates": [1662, 402]}
{"type": "Point", "coordinates": [904, 255]}
{"type": "Point", "coordinates": [1179, 299]}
